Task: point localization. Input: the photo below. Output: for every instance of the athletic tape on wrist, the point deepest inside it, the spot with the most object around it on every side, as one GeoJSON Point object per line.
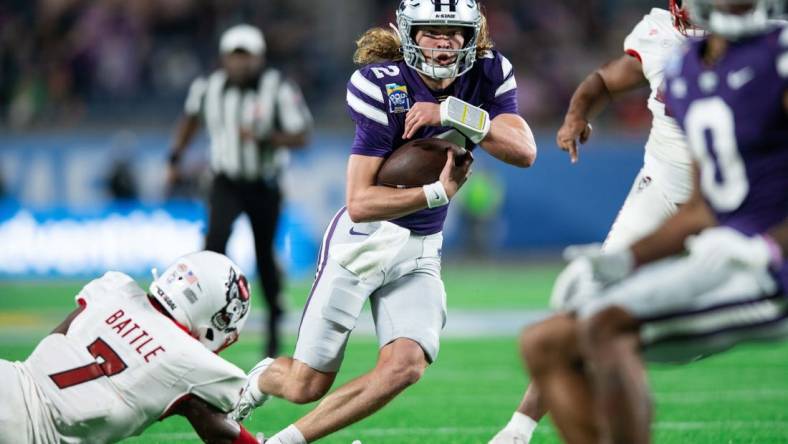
{"type": "Point", "coordinates": [436, 195]}
{"type": "Point", "coordinates": [471, 121]}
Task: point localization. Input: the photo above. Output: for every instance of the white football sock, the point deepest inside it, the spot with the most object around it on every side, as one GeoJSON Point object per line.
{"type": "Point", "coordinates": [254, 389]}
{"type": "Point", "coordinates": [523, 424]}
{"type": "Point", "coordinates": [290, 435]}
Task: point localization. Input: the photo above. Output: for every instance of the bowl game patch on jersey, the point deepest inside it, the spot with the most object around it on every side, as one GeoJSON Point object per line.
{"type": "Point", "coordinates": [399, 101]}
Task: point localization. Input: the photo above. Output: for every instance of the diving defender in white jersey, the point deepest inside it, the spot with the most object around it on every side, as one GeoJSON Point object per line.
{"type": "Point", "coordinates": [712, 276]}
{"type": "Point", "coordinates": [664, 182]}
{"type": "Point", "coordinates": [126, 358]}
{"type": "Point", "coordinates": [435, 76]}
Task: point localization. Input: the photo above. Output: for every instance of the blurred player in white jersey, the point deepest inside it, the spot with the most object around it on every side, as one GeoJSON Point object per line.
{"type": "Point", "coordinates": [664, 182]}
{"type": "Point", "coordinates": [126, 358]}
{"type": "Point", "coordinates": [713, 275]}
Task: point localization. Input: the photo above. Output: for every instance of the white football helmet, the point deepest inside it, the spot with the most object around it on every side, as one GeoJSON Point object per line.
{"type": "Point", "coordinates": [206, 293]}
{"type": "Point", "coordinates": [734, 19]}
{"type": "Point", "coordinates": [414, 13]}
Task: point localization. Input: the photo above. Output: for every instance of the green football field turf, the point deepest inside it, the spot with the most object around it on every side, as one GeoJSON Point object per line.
{"type": "Point", "coordinates": [515, 285]}
{"type": "Point", "coordinates": [737, 397]}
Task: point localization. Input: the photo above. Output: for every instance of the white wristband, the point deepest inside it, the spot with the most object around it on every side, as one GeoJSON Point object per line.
{"type": "Point", "coordinates": [436, 195]}
{"type": "Point", "coordinates": [472, 121]}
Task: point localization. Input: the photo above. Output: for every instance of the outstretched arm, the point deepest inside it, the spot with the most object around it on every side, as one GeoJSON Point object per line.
{"type": "Point", "coordinates": [212, 425]}
{"type": "Point", "coordinates": [592, 95]}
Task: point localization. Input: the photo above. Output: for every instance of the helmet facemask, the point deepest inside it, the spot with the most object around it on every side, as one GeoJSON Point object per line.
{"type": "Point", "coordinates": [458, 13]}
{"type": "Point", "coordinates": [227, 321]}
{"type": "Point", "coordinates": [735, 19]}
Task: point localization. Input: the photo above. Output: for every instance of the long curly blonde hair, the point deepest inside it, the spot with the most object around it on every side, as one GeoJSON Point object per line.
{"type": "Point", "coordinates": [381, 45]}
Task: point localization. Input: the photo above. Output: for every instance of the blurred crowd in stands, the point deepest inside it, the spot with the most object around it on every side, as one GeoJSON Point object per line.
{"type": "Point", "coordinates": [81, 62]}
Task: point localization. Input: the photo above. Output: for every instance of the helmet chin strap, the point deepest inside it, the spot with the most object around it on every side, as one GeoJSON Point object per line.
{"type": "Point", "coordinates": [733, 27]}
{"type": "Point", "coordinates": [439, 72]}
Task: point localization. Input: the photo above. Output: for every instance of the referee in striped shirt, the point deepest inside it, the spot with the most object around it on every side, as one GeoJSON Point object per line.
{"type": "Point", "coordinates": [253, 115]}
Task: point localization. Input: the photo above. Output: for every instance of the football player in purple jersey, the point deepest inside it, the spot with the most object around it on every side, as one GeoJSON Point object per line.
{"type": "Point", "coordinates": [436, 75]}
{"type": "Point", "coordinates": [664, 182]}
{"type": "Point", "coordinates": [714, 275]}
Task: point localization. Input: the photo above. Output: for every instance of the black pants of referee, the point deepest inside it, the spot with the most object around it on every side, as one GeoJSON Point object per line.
{"type": "Point", "coordinates": [262, 203]}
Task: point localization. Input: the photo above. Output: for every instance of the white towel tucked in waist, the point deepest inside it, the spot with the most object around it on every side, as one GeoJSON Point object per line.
{"type": "Point", "coordinates": [375, 253]}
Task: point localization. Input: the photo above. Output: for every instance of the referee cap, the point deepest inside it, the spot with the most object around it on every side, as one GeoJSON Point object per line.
{"type": "Point", "coordinates": [243, 37]}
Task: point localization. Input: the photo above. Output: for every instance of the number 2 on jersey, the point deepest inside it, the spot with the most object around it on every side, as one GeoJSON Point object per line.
{"type": "Point", "coordinates": [383, 71]}
{"type": "Point", "coordinates": [111, 364]}
{"type": "Point", "coordinates": [711, 132]}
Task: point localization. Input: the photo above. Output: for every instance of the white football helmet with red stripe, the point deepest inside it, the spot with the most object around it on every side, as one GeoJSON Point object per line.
{"type": "Point", "coordinates": [207, 294]}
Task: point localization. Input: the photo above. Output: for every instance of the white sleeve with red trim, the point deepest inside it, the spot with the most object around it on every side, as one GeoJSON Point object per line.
{"type": "Point", "coordinates": [113, 284]}
{"type": "Point", "coordinates": [652, 41]}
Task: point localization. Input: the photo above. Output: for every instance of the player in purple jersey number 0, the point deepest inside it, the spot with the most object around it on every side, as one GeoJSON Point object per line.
{"type": "Point", "coordinates": [436, 75]}
{"type": "Point", "coordinates": [713, 275]}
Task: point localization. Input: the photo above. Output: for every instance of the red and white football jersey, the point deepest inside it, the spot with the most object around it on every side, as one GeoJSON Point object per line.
{"type": "Point", "coordinates": [653, 40]}
{"type": "Point", "coordinates": [122, 365]}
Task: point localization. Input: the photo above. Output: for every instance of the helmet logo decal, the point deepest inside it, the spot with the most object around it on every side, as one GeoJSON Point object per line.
{"type": "Point", "coordinates": [190, 295]}
{"type": "Point", "coordinates": [237, 297]}
{"type": "Point", "coordinates": [182, 272]}
{"type": "Point", "coordinates": [440, 4]}
{"type": "Point", "coordinates": [167, 300]}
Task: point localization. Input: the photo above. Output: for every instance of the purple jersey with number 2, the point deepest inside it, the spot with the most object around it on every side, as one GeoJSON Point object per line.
{"type": "Point", "coordinates": [734, 116]}
{"type": "Point", "coordinates": [379, 96]}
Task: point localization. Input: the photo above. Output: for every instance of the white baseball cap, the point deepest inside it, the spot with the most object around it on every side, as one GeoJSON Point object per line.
{"type": "Point", "coordinates": [242, 37]}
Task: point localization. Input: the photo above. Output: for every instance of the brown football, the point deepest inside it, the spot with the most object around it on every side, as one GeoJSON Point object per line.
{"type": "Point", "coordinates": [417, 163]}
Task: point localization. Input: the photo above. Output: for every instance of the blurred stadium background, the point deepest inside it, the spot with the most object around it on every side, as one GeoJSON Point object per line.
{"type": "Point", "coordinates": [90, 91]}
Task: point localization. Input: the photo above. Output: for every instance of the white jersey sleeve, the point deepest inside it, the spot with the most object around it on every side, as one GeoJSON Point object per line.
{"type": "Point", "coordinates": [653, 40]}
{"type": "Point", "coordinates": [215, 380]}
